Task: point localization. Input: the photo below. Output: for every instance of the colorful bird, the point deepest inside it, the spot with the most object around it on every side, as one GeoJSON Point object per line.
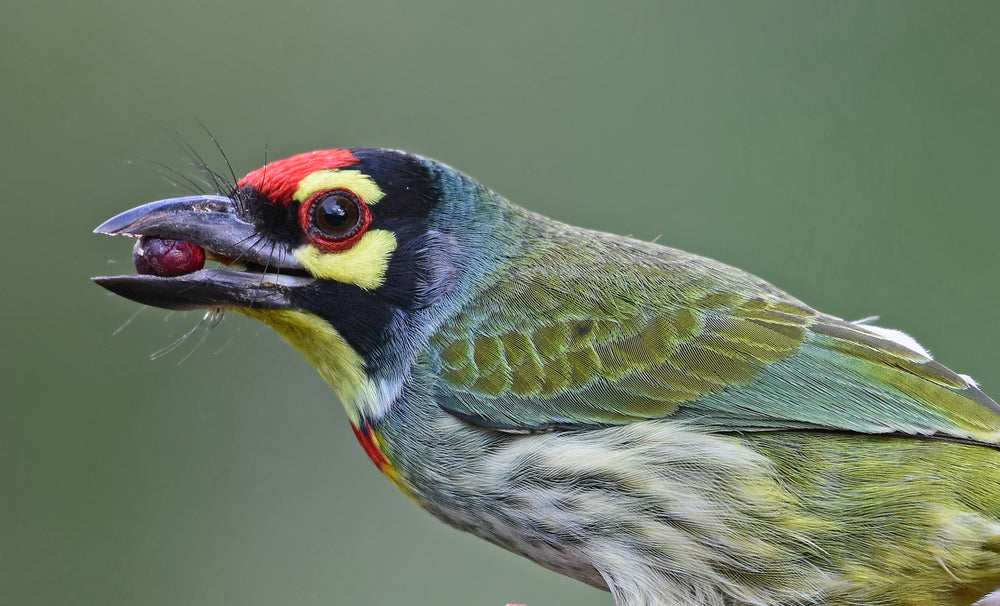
{"type": "Point", "coordinates": [645, 420]}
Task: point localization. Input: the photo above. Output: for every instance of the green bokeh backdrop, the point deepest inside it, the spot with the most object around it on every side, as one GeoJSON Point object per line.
{"type": "Point", "coordinates": [847, 151]}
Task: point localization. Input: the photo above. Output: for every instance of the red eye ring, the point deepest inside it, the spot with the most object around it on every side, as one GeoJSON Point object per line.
{"type": "Point", "coordinates": [334, 219]}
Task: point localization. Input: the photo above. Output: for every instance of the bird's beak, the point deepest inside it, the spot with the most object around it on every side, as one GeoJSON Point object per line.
{"type": "Point", "coordinates": [268, 276]}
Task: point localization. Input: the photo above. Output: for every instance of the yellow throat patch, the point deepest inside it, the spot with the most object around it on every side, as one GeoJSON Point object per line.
{"type": "Point", "coordinates": [342, 368]}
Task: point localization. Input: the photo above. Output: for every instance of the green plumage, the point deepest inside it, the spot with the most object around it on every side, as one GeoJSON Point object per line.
{"type": "Point", "coordinates": [590, 329]}
{"type": "Point", "coordinates": [882, 476]}
{"type": "Point", "coordinates": [900, 521]}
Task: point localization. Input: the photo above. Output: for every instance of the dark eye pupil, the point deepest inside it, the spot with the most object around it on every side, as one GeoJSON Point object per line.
{"type": "Point", "coordinates": [337, 215]}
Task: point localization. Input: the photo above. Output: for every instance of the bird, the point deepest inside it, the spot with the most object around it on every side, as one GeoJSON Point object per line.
{"type": "Point", "coordinates": [651, 422]}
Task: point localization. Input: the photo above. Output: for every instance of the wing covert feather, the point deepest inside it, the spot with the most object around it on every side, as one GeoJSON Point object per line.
{"type": "Point", "coordinates": [594, 345]}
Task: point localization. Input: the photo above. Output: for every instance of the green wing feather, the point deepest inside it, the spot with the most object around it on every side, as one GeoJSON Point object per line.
{"type": "Point", "coordinates": [609, 330]}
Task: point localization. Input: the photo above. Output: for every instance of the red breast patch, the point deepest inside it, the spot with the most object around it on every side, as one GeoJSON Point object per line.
{"type": "Point", "coordinates": [366, 436]}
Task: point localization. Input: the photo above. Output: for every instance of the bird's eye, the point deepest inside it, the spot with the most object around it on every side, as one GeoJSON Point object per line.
{"type": "Point", "coordinates": [336, 215]}
{"type": "Point", "coordinates": [335, 219]}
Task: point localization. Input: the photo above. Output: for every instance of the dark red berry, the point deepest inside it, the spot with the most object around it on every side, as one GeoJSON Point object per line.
{"type": "Point", "coordinates": [167, 257]}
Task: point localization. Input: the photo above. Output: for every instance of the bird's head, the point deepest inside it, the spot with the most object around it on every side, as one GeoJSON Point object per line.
{"type": "Point", "coordinates": [349, 253]}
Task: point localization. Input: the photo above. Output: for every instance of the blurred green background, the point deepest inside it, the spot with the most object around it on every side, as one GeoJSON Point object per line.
{"type": "Point", "coordinates": [847, 151]}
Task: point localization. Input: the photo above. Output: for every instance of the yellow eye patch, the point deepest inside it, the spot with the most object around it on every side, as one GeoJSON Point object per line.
{"type": "Point", "coordinates": [364, 264]}
{"type": "Point", "coordinates": [354, 180]}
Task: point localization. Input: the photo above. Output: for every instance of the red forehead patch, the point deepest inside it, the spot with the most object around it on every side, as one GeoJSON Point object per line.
{"type": "Point", "coordinates": [280, 179]}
